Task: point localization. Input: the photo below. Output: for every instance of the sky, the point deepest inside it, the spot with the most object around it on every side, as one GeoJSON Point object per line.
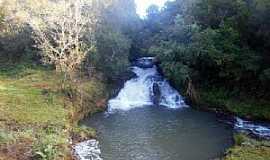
{"type": "Point", "coordinates": [142, 5]}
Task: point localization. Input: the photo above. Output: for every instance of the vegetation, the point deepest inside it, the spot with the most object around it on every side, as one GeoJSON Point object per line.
{"type": "Point", "coordinates": [36, 118]}
{"type": "Point", "coordinates": [211, 46]}
{"type": "Point", "coordinates": [217, 53]}
{"type": "Point", "coordinates": [50, 71]}
{"type": "Point", "coordinates": [223, 100]}
{"type": "Point", "coordinates": [58, 59]}
{"type": "Point", "coordinates": [248, 149]}
{"type": "Point", "coordinates": [32, 114]}
{"type": "Point", "coordinates": [64, 33]}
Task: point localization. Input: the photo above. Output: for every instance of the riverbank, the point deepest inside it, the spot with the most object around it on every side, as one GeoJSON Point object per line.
{"type": "Point", "coordinates": [220, 100]}
{"type": "Point", "coordinates": [245, 147]}
{"type": "Point", "coordinates": [37, 119]}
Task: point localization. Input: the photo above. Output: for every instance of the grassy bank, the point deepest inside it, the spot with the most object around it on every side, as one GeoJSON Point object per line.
{"type": "Point", "coordinates": [247, 148]}
{"type": "Point", "coordinates": [36, 119]}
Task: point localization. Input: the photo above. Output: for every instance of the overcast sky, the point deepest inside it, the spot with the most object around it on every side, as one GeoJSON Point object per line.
{"type": "Point", "coordinates": [142, 5]}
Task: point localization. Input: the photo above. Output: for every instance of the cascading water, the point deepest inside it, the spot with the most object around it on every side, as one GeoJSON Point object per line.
{"type": "Point", "coordinates": [257, 129]}
{"type": "Point", "coordinates": [149, 133]}
{"type": "Point", "coordinates": [147, 86]}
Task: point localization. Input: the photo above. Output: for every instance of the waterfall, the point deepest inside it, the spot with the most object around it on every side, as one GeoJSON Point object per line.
{"type": "Point", "coordinates": [149, 88]}
{"type": "Point", "coordinates": [141, 91]}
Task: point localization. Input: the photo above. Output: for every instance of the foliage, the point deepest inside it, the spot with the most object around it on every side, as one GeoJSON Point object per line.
{"type": "Point", "coordinates": [230, 101]}
{"type": "Point", "coordinates": [212, 43]}
{"type": "Point", "coordinates": [15, 36]}
{"type": "Point", "coordinates": [47, 145]}
{"type": "Point", "coordinates": [248, 149]}
{"type": "Point", "coordinates": [118, 24]}
{"type": "Point", "coordinates": [112, 49]}
{"type": "Point", "coordinates": [88, 96]}
{"type": "Point", "coordinates": [70, 34]}
{"type": "Point", "coordinates": [36, 117]}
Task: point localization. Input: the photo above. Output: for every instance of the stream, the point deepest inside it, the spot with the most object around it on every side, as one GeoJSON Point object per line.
{"type": "Point", "coordinates": [149, 120]}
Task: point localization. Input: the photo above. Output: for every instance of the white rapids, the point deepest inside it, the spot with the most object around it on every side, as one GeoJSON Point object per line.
{"type": "Point", "coordinates": [260, 130]}
{"type": "Point", "coordinates": [139, 91]}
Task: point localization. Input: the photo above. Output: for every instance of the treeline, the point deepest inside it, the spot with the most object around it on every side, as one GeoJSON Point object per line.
{"type": "Point", "coordinates": [199, 43]}
{"type": "Point", "coordinates": [70, 35]}
{"type": "Point", "coordinates": [211, 44]}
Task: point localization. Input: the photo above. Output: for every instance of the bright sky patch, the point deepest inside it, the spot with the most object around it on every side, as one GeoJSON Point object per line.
{"type": "Point", "coordinates": [142, 5]}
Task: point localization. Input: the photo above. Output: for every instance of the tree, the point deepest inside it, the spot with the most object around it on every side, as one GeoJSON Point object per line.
{"type": "Point", "coordinates": [64, 32]}
{"type": "Point", "coordinates": [15, 34]}
{"type": "Point", "coordinates": [117, 24]}
{"type": "Point", "coordinates": [213, 43]}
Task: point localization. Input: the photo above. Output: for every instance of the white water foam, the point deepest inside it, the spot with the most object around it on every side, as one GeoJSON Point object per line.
{"type": "Point", "coordinates": [170, 97]}
{"type": "Point", "coordinates": [139, 92]}
{"type": "Point", "coordinates": [261, 130]}
{"type": "Point", "coordinates": [135, 92]}
{"type": "Point", "coordinates": [88, 150]}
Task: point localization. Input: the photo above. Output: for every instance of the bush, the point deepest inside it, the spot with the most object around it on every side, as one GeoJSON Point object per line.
{"type": "Point", "coordinates": [49, 145]}
{"type": "Point", "coordinates": [16, 41]}
{"type": "Point", "coordinates": [112, 52]}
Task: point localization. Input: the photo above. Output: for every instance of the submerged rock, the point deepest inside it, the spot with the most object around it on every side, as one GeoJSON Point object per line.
{"type": "Point", "coordinates": [88, 150]}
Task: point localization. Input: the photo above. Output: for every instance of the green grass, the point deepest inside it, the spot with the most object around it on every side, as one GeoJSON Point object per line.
{"type": "Point", "coordinates": [31, 98]}
{"type": "Point", "coordinates": [220, 99]}
{"type": "Point", "coordinates": [32, 110]}
{"type": "Point", "coordinates": [37, 117]}
{"type": "Point", "coordinates": [247, 148]}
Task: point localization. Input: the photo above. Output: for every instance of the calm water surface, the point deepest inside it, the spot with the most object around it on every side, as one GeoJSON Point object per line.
{"type": "Point", "coordinates": [158, 133]}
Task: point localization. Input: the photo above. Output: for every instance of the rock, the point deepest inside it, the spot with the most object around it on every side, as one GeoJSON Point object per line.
{"type": "Point", "coordinates": [145, 62]}
{"type": "Point", "coordinates": [157, 94]}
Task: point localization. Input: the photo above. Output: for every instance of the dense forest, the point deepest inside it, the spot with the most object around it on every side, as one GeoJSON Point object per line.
{"type": "Point", "coordinates": [215, 52]}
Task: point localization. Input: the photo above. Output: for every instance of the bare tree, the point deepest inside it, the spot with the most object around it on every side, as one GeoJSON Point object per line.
{"type": "Point", "coordinates": [64, 33]}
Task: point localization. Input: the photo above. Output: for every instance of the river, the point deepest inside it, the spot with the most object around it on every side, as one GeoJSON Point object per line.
{"type": "Point", "coordinates": [149, 120]}
{"type": "Point", "coordinates": [157, 133]}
